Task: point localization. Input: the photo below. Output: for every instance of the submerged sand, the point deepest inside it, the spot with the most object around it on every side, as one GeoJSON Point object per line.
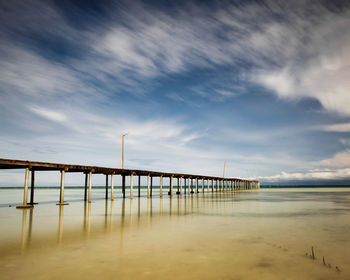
{"type": "Point", "coordinates": [266, 234]}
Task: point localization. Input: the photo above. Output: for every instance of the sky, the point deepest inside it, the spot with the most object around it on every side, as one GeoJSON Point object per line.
{"type": "Point", "coordinates": [263, 85]}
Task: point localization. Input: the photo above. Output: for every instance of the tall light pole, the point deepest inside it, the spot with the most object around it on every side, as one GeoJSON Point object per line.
{"type": "Point", "coordinates": [123, 149]}
{"type": "Point", "coordinates": [223, 173]}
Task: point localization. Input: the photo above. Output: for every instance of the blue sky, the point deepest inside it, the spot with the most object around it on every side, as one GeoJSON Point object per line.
{"type": "Point", "coordinates": [262, 85]}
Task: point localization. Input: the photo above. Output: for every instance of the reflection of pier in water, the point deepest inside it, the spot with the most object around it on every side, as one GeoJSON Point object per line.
{"type": "Point", "coordinates": [119, 217]}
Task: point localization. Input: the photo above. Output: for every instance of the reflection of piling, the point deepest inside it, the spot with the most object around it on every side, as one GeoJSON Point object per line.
{"type": "Point", "coordinates": [130, 212]}
{"type": "Point", "coordinates": [138, 210]}
{"type": "Point", "coordinates": [111, 215]}
{"type": "Point", "coordinates": [170, 206]}
{"type": "Point", "coordinates": [60, 224]}
{"type": "Point", "coordinates": [88, 227]}
{"type": "Point", "coordinates": [23, 234]}
{"type": "Point", "coordinates": [106, 214]}
{"type": "Point", "coordinates": [161, 207]}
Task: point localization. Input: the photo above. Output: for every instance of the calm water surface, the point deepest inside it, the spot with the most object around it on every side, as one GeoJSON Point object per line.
{"type": "Point", "coordinates": [265, 234]}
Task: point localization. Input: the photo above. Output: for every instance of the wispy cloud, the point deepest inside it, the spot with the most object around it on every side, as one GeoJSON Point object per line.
{"type": "Point", "coordinates": [49, 114]}
{"type": "Point", "coordinates": [340, 127]}
{"type": "Point", "coordinates": [313, 175]}
{"type": "Point", "coordinates": [58, 76]}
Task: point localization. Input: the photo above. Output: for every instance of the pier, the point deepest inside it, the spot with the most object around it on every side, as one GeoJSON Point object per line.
{"type": "Point", "coordinates": [187, 184]}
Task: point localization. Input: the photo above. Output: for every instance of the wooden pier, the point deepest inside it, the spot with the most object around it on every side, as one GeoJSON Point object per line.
{"type": "Point", "coordinates": [186, 183]}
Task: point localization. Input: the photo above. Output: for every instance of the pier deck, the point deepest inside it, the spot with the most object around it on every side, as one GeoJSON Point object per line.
{"type": "Point", "coordinates": [217, 183]}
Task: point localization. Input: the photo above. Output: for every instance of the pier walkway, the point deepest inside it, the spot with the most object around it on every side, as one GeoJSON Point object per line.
{"type": "Point", "coordinates": [186, 183]}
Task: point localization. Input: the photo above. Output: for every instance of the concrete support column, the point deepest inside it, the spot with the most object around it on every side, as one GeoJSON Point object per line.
{"type": "Point", "coordinates": [148, 184]}
{"type": "Point", "coordinates": [212, 185]}
{"type": "Point", "coordinates": [25, 194]}
{"type": "Point", "coordinates": [185, 181]}
{"type": "Point", "coordinates": [196, 185]}
{"type": "Point", "coordinates": [181, 185]}
{"type": "Point", "coordinates": [123, 185]}
{"type": "Point", "coordinates": [171, 185]}
{"type": "Point", "coordinates": [85, 188]}
{"type": "Point", "coordinates": [202, 185]}
{"type": "Point", "coordinates": [161, 185]}
{"type": "Point", "coordinates": [178, 186]}
{"type": "Point", "coordinates": [131, 185]}
{"type": "Point", "coordinates": [112, 187]}
{"type": "Point", "coordinates": [139, 187]}
{"type": "Point", "coordinates": [106, 186]}
{"type": "Point", "coordinates": [32, 188]}
{"type": "Point", "coordinates": [90, 178]}
{"type": "Point", "coordinates": [61, 202]}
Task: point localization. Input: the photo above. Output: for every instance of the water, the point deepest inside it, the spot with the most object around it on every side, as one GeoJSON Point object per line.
{"type": "Point", "coordinates": [265, 234]}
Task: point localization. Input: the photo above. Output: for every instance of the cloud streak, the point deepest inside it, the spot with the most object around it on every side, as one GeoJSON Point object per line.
{"type": "Point", "coordinates": [70, 82]}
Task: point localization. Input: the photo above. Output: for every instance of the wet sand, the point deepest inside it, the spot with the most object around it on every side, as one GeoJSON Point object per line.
{"type": "Point", "coordinates": [262, 234]}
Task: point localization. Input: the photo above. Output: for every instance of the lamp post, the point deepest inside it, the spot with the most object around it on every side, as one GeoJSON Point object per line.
{"type": "Point", "coordinates": [123, 149]}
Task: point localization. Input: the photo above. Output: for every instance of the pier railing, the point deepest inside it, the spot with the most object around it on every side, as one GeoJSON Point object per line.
{"type": "Point", "coordinates": [186, 183]}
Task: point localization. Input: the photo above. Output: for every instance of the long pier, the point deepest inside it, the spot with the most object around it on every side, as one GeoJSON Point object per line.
{"type": "Point", "coordinates": [186, 183]}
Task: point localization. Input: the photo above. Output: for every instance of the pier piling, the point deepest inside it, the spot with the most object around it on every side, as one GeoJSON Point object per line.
{"type": "Point", "coordinates": [131, 185]}
{"type": "Point", "coordinates": [106, 186]}
{"type": "Point", "coordinates": [25, 194]}
{"type": "Point", "coordinates": [85, 188]}
{"type": "Point", "coordinates": [148, 186]}
{"type": "Point", "coordinates": [61, 202]}
{"type": "Point", "coordinates": [139, 187]}
{"type": "Point", "coordinates": [112, 187]}
{"type": "Point", "coordinates": [90, 178]}
{"type": "Point", "coordinates": [161, 186]}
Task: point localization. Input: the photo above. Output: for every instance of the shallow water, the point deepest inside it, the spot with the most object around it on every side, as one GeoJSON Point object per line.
{"type": "Point", "coordinates": [262, 234]}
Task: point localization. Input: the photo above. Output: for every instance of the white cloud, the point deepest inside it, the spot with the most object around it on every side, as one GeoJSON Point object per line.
{"type": "Point", "coordinates": [326, 174]}
{"type": "Point", "coordinates": [315, 62]}
{"type": "Point", "coordinates": [341, 159]}
{"type": "Point", "coordinates": [49, 114]}
{"type": "Point", "coordinates": [341, 127]}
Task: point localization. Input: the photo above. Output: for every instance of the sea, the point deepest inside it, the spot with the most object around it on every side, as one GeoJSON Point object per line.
{"type": "Point", "coordinates": [270, 233]}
